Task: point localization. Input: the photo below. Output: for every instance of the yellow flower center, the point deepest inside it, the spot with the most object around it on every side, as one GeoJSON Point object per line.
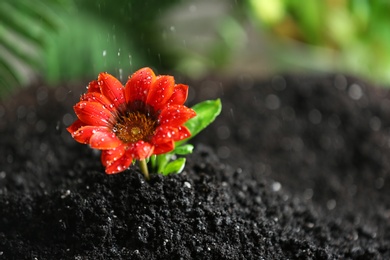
{"type": "Point", "coordinates": [135, 126]}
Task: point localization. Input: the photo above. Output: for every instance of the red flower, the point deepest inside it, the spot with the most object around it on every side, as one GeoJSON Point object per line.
{"type": "Point", "coordinates": [133, 122]}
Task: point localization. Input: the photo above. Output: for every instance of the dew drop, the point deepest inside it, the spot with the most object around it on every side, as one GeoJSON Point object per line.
{"type": "Point", "coordinates": [355, 92]}
{"type": "Point", "coordinates": [223, 132]}
{"type": "Point", "coordinates": [40, 126]}
{"type": "Point", "coordinates": [276, 186]}
{"type": "Point", "coordinates": [130, 60]}
{"type": "Point", "coordinates": [42, 96]}
{"type": "Point", "coordinates": [340, 82]}
{"type": "Point", "coordinates": [121, 74]}
{"type": "Point", "coordinates": [104, 53]}
{"type": "Point", "coordinates": [66, 194]}
{"type": "Point", "coordinates": [375, 123]}
{"type": "Point", "coordinates": [331, 204]}
{"type": "Point", "coordinates": [272, 102]}
{"type": "Point", "coordinates": [315, 116]}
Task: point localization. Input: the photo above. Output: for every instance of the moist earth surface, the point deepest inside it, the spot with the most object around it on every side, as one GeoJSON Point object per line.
{"type": "Point", "coordinates": [295, 167]}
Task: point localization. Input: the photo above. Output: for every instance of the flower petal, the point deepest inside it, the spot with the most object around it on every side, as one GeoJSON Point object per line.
{"type": "Point", "coordinates": [164, 147]}
{"type": "Point", "coordinates": [138, 85]}
{"type": "Point", "coordinates": [84, 133]}
{"type": "Point", "coordinates": [109, 156]}
{"type": "Point", "coordinates": [93, 86]}
{"type": "Point", "coordinates": [100, 98]}
{"type": "Point", "coordinates": [160, 92]}
{"type": "Point", "coordinates": [75, 126]}
{"type": "Point", "coordinates": [164, 134]}
{"type": "Point", "coordinates": [175, 115]}
{"type": "Point", "coordinates": [92, 113]}
{"type": "Point", "coordinates": [182, 133]}
{"type": "Point", "coordinates": [103, 140]}
{"type": "Point", "coordinates": [120, 165]}
{"type": "Point", "coordinates": [112, 89]}
{"type": "Point", "coordinates": [141, 150]}
{"type": "Point", "coordinates": [179, 96]}
{"type": "Point", "coordinates": [167, 133]}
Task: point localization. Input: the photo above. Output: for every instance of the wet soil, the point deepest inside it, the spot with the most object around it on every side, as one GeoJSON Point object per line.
{"type": "Point", "coordinates": [294, 168]}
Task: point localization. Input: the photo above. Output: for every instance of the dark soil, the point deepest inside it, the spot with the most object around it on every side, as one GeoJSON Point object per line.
{"type": "Point", "coordinates": [294, 168]}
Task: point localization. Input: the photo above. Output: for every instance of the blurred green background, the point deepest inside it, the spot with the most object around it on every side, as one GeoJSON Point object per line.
{"type": "Point", "coordinates": [70, 40]}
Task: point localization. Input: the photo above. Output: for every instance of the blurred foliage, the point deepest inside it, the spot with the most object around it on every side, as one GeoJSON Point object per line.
{"type": "Point", "coordinates": [351, 36]}
{"type": "Point", "coordinates": [125, 32]}
{"type": "Point", "coordinates": [24, 28]}
{"type": "Point", "coordinates": [69, 40]}
{"type": "Point", "coordinates": [202, 36]}
{"type": "Point", "coordinates": [65, 40]}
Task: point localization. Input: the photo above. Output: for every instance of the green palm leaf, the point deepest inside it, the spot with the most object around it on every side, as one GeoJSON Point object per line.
{"type": "Point", "coordinates": [24, 28]}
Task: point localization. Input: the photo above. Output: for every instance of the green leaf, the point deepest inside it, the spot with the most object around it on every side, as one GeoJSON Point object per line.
{"type": "Point", "coordinates": [162, 161]}
{"type": "Point", "coordinates": [25, 27]}
{"type": "Point", "coordinates": [206, 112]}
{"type": "Point", "coordinates": [183, 149]}
{"type": "Point", "coordinates": [176, 166]}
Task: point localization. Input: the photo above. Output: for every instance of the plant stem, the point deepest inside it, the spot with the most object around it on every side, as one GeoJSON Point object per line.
{"type": "Point", "coordinates": [144, 168]}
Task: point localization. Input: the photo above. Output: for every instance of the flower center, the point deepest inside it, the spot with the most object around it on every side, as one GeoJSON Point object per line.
{"type": "Point", "coordinates": [135, 126]}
